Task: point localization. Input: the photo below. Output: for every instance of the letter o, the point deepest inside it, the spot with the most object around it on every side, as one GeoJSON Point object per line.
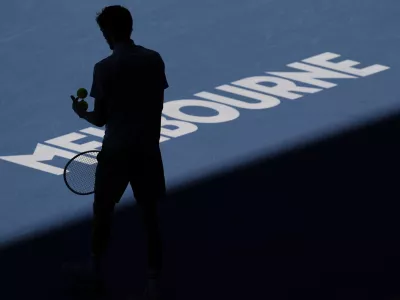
{"type": "Point", "coordinates": [226, 113]}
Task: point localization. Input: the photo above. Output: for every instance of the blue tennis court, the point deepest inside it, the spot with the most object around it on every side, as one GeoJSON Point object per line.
{"type": "Point", "coordinates": [249, 82]}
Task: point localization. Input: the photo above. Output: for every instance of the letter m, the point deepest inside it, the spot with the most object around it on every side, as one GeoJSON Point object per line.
{"type": "Point", "coordinates": [41, 154]}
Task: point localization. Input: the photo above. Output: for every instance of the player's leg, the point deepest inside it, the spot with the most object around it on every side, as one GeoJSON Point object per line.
{"type": "Point", "coordinates": [149, 211]}
{"type": "Point", "coordinates": [148, 184]}
{"type": "Point", "coordinates": [111, 182]}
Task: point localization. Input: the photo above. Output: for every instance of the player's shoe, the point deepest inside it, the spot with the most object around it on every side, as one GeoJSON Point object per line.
{"type": "Point", "coordinates": [88, 276]}
{"type": "Point", "coordinates": [153, 288]}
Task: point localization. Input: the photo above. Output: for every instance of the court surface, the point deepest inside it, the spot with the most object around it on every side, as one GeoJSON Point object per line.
{"type": "Point", "coordinates": [218, 116]}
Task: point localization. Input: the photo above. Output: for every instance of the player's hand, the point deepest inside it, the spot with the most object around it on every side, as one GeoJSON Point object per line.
{"type": "Point", "coordinates": [78, 109]}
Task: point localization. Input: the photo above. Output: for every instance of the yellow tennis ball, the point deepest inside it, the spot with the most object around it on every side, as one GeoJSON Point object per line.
{"type": "Point", "coordinates": [82, 93]}
{"type": "Point", "coordinates": [84, 105]}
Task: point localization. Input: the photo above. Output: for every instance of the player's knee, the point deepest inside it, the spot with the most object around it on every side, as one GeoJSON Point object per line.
{"type": "Point", "coordinates": [103, 208]}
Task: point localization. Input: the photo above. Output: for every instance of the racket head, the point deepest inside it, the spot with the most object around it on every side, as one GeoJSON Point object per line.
{"type": "Point", "coordinates": [80, 172]}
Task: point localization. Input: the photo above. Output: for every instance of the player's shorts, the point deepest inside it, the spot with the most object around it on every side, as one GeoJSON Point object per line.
{"type": "Point", "coordinates": [144, 171]}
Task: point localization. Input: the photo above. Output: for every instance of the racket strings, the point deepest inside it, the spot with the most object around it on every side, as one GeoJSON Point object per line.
{"type": "Point", "coordinates": [80, 173]}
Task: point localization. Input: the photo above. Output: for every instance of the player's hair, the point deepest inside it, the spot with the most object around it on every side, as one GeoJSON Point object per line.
{"type": "Point", "coordinates": [117, 20]}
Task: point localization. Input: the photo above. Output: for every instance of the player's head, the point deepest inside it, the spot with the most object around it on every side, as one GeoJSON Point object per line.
{"type": "Point", "coordinates": [116, 24]}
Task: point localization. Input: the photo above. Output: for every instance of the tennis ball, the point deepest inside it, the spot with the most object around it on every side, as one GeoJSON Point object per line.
{"type": "Point", "coordinates": [82, 93]}
{"type": "Point", "coordinates": [84, 105]}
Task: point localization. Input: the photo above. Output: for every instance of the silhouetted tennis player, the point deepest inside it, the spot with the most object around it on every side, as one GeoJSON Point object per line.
{"type": "Point", "coordinates": [128, 88]}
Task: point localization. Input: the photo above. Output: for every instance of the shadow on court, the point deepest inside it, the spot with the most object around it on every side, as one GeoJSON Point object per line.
{"type": "Point", "coordinates": [321, 222]}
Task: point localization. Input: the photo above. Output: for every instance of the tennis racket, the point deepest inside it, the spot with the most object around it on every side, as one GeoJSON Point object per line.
{"type": "Point", "coordinates": [80, 172]}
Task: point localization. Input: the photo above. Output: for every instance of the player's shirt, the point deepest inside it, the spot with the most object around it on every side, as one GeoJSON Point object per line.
{"type": "Point", "coordinates": [128, 87]}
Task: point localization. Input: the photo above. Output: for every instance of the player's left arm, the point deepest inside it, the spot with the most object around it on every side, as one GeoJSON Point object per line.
{"type": "Point", "coordinates": [97, 116]}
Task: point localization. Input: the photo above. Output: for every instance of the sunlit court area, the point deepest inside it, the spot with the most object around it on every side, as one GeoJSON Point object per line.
{"type": "Point", "coordinates": [279, 139]}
